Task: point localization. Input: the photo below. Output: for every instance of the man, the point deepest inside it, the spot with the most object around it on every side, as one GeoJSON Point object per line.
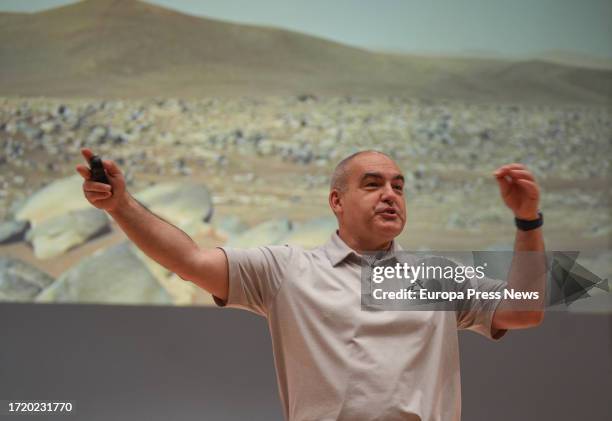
{"type": "Point", "coordinates": [334, 361]}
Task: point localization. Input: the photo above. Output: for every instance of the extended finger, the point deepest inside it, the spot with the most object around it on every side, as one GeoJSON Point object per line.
{"type": "Point", "coordinates": [84, 171]}
{"type": "Point", "coordinates": [94, 186]}
{"type": "Point", "coordinates": [87, 154]}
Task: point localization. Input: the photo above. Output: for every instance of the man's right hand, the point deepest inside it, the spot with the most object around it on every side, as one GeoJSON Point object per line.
{"type": "Point", "coordinates": [101, 195]}
{"type": "Point", "coordinates": [157, 238]}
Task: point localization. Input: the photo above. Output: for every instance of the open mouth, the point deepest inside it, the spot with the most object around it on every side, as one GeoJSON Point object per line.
{"type": "Point", "coordinates": [388, 213]}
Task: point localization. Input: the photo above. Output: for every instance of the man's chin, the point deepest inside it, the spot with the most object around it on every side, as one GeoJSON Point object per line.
{"type": "Point", "coordinates": [389, 228]}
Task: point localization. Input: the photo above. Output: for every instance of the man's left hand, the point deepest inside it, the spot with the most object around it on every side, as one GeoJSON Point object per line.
{"type": "Point", "coordinates": [519, 190]}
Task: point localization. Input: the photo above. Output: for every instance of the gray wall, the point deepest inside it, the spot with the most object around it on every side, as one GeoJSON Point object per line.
{"type": "Point", "coordinates": [169, 363]}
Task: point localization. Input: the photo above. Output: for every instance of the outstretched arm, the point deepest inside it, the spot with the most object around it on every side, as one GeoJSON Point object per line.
{"type": "Point", "coordinates": [157, 238]}
{"type": "Point", "coordinates": [521, 194]}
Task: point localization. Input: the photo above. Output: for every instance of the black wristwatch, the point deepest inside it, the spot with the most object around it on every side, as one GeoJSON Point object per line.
{"type": "Point", "coordinates": [525, 225]}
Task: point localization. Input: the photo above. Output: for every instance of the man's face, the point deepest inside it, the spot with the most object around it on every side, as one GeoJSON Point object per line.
{"type": "Point", "coordinates": [373, 207]}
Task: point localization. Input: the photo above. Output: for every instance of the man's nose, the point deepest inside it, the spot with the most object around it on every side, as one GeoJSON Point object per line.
{"type": "Point", "coordinates": [389, 195]}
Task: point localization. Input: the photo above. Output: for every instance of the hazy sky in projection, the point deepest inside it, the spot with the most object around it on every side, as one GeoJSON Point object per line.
{"type": "Point", "coordinates": [478, 27]}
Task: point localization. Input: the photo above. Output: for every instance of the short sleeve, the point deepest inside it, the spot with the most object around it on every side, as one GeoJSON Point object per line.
{"type": "Point", "coordinates": [476, 314]}
{"type": "Point", "coordinates": [255, 275]}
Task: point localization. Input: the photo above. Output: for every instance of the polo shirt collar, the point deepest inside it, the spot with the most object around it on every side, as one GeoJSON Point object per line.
{"type": "Point", "coordinates": [337, 250]}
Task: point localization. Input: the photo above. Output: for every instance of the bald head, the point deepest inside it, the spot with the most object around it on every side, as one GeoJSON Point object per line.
{"type": "Point", "coordinates": [367, 198]}
{"type": "Point", "coordinates": [339, 179]}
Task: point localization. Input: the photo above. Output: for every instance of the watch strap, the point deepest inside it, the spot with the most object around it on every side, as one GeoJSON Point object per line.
{"type": "Point", "coordinates": [526, 225]}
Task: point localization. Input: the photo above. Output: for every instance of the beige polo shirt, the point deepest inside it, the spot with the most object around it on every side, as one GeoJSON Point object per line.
{"type": "Point", "coordinates": [336, 362]}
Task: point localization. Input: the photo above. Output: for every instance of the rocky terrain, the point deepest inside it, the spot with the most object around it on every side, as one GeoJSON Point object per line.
{"type": "Point", "coordinates": [253, 171]}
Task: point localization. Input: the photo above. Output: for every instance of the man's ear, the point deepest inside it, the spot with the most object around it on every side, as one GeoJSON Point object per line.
{"type": "Point", "coordinates": [335, 202]}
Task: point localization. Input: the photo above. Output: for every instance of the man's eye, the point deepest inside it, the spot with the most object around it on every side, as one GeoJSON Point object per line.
{"type": "Point", "coordinates": [398, 187]}
{"type": "Point", "coordinates": [371, 185]}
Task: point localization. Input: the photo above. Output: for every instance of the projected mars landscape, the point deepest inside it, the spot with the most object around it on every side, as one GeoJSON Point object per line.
{"type": "Point", "coordinates": [231, 133]}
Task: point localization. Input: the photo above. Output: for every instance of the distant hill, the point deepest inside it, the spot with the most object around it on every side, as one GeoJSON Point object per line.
{"type": "Point", "coordinates": [132, 49]}
{"type": "Point", "coordinates": [576, 59]}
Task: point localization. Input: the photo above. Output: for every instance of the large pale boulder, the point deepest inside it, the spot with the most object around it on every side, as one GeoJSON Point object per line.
{"type": "Point", "coordinates": [20, 281]}
{"type": "Point", "coordinates": [229, 226]}
{"type": "Point", "coordinates": [267, 233]}
{"type": "Point", "coordinates": [54, 236]}
{"type": "Point", "coordinates": [114, 275]}
{"type": "Point", "coordinates": [181, 291]}
{"type": "Point", "coordinates": [185, 204]}
{"type": "Point", "coordinates": [313, 233]}
{"type": "Point", "coordinates": [57, 198]}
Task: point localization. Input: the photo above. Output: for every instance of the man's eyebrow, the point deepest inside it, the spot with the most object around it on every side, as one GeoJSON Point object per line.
{"type": "Point", "coordinates": [379, 175]}
{"type": "Point", "coordinates": [372, 174]}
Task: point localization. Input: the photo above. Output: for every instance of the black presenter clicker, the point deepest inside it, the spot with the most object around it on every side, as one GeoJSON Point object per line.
{"type": "Point", "coordinates": [97, 170]}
